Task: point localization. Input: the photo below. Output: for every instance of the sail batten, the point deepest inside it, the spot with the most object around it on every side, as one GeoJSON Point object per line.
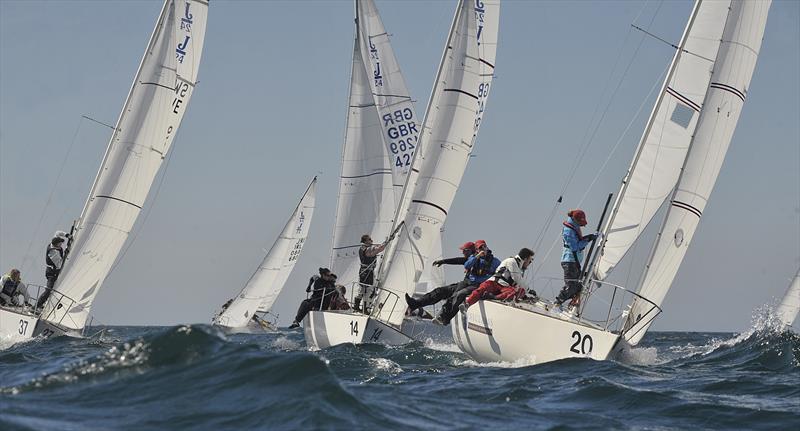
{"type": "Point", "coordinates": [450, 128]}
{"type": "Point", "coordinates": [142, 136]}
{"type": "Point", "coordinates": [662, 149]}
{"type": "Point", "coordinates": [736, 60]}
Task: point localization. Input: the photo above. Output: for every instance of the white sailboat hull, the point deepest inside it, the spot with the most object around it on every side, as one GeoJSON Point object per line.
{"type": "Point", "coordinates": [330, 328]}
{"type": "Point", "coordinates": [19, 325]}
{"type": "Point", "coordinates": [495, 331]}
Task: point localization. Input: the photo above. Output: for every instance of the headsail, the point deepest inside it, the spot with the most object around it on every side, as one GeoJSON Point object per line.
{"type": "Point", "coordinates": [266, 284]}
{"type": "Point", "coordinates": [451, 125]}
{"type": "Point", "coordinates": [730, 81]}
{"type": "Point", "coordinates": [398, 118]}
{"type": "Point", "coordinates": [366, 202]}
{"type": "Point", "coordinates": [790, 305]}
{"type": "Point", "coordinates": [662, 149]}
{"type": "Point", "coordinates": [143, 134]}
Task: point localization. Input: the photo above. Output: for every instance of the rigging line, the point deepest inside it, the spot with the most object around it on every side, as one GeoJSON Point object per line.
{"type": "Point", "coordinates": [540, 237]}
{"type": "Point", "coordinates": [658, 81]}
{"type": "Point", "coordinates": [135, 235]}
{"type": "Point", "coordinates": [591, 134]}
{"type": "Point", "coordinates": [25, 258]}
{"type": "Point", "coordinates": [98, 122]}
{"type": "Point", "coordinates": [577, 163]}
{"type": "Point", "coordinates": [670, 43]}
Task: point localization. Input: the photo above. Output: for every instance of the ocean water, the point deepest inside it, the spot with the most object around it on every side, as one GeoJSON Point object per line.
{"type": "Point", "coordinates": [196, 377]}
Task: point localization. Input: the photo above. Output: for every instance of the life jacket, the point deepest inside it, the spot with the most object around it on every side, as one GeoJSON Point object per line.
{"type": "Point", "coordinates": [483, 266]}
{"type": "Point", "coordinates": [577, 231]}
{"type": "Point", "coordinates": [367, 262]}
{"type": "Point", "coordinates": [10, 287]}
{"type": "Point", "coordinates": [52, 268]}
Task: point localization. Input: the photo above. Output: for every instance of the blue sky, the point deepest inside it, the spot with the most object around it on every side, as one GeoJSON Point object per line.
{"type": "Point", "coordinates": [269, 114]}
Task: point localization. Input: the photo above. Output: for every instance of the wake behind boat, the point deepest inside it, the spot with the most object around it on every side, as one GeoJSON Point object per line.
{"type": "Point", "coordinates": [679, 156]}
{"type": "Point", "coordinates": [142, 136]}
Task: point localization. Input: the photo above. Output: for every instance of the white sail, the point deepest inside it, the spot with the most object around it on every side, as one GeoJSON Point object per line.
{"type": "Point", "coordinates": [366, 202]}
{"type": "Point", "coordinates": [143, 134]}
{"type": "Point", "coordinates": [398, 118]}
{"type": "Point", "coordinates": [266, 284]}
{"type": "Point", "coordinates": [662, 149]}
{"type": "Point", "coordinates": [730, 81]}
{"type": "Point", "coordinates": [451, 125]}
{"type": "Point", "coordinates": [790, 305]}
{"type": "Point", "coordinates": [432, 276]}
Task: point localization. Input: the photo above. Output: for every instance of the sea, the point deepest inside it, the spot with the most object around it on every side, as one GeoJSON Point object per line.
{"type": "Point", "coordinates": [195, 377]}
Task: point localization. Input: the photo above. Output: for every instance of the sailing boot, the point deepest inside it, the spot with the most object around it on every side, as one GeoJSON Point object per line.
{"type": "Point", "coordinates": [412, 303]}
{"type": "Point", "coordinates": [357, 304]}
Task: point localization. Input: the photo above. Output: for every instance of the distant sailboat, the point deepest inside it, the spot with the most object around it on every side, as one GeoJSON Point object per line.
{"type": "Point", "coordinates": [148, 123]}
{"type": "Point", "coordinates": [679, 157]}
{"type": "Point", "coordinates": [446, 139]}
{"type": "Point", "coordinates": [790, 305]}
{"type": "Point", "coordinates": [249, 309]}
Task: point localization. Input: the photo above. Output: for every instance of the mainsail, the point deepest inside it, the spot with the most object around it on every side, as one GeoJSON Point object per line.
{"type": "Point", "coordinates": [366, 197]}
{"type": "Point", "coordinates": [398, 118]}
{"type": "Point", "coordinates": [452, 120]}
{"type": "Point", "coordinates": [736, 61]}
{"type": "Point", "coordinates": [266, 284]}
{"type": "Point", "coordinates": [148, 123]}
{"type": "Point", "coordinates": [662, 149]}
{"type": "Point", "coordinates": [790, 305]}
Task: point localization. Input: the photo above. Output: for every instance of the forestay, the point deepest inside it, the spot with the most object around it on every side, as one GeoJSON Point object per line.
{"type": "Point", "coordinates": [398, 118]}
{"type": "Point", "coordinates": [790, 305]}
{"type": "Point", "coordinates": [366, 202]}
{"type": "Point", "coordinates": [452, 120]}
{"type": "Point", "coordinates": [266, 284]}
{"type": "Point", "coordinates": [730, 81]}
{"type": "Point", "coordinates": [662, 149]}
{"type": "Point", "coordinates": [143, 134]}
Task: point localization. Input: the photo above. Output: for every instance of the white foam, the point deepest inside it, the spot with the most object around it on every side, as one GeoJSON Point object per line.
{"type": "Point", "coordinates": [519, 363]}
{"type": "Point", "coordinates": [383, 364]}
{"type": "Point", "coordinates": [284, 343]}
{"type": "Point", "coordinates": [442, 347]}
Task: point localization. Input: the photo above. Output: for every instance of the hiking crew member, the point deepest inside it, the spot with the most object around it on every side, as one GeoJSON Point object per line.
{"type": "Point", "coordinates": [54, 258]}
{"type": "Point", "coordinates": [444, 292]}
{"type": "Point", "coordinates": [507, 282]}
{"type": "Point", "coordinates": [478, 268]}
{"type": "Point", "coordinates": [574, 243]}
{"type": "Point", "coordinates": [322, 287]}
{"type": "Point", "coordinates": [368, 256]}
{"type": "Point", "coordinates": [11, 286]}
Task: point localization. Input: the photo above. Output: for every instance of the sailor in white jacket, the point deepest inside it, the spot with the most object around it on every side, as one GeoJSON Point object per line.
{"type": "Point", "coordinates": [507, 282]}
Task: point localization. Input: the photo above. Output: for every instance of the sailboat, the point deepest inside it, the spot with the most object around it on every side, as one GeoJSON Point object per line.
{"type": "Point", "coordinates": [249, 311]}
{"type": "Point", "coordinates": [453, 117]}
{"type": "Point", "coordinates": [145, 129]}
{"type": "Point", "coordinates": [790, 305]}
{"type": "Point", "coordinates": [675, 165]}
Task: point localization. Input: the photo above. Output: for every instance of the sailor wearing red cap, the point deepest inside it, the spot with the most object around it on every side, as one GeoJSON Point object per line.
{"type": "Point", "coordinates": [574, 244]}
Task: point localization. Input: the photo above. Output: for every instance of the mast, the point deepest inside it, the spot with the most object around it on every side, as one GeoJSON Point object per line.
{"type": "Point", "coordinates": [666, 136]}
{"type": "Point", "coordinates": [413, 173]}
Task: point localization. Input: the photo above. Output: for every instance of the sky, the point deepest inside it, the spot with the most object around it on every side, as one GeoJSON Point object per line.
{"type": "Point", "coordinates": [269, 113]}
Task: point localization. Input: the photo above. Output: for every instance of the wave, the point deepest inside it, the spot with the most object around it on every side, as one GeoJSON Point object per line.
{"type": "Point", "coordinates": [237, 385]}
{"type": "Point", "coordinates": [766, 346]}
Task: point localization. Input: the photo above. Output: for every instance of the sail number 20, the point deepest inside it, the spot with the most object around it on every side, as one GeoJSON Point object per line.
{"type": "Point", "coordinates": [584, 342]}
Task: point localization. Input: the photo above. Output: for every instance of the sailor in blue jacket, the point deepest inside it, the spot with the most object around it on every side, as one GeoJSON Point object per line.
{"type": "Point", "coordinates": [571, 257]}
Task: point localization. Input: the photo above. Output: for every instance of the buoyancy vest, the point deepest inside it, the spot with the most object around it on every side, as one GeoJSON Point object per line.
{"type": "Point", "coordinates": [367, 262]}
{"type": "Point", "coordinates": [52, 268]}
{"type": "Point", "coordinates": [9, 286]}
{"type": "Point", "coordinates": [483, 266]}
{"type": "Point", "coordinates": [577, 231]}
